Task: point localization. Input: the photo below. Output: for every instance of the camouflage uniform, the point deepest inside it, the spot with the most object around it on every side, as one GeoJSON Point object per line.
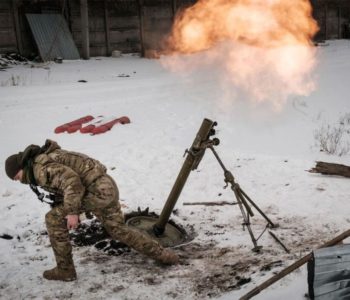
{"type": "Point", "coordinates": [85, 186]}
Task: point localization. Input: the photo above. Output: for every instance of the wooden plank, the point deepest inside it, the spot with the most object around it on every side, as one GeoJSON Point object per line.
{"type": "Point", "coordinates": [123, 8]}
{"type": "Point", "coordinates": [339, 23]}
{"type": "Point", "coordinates": [130, 47]}
{"type": "Point", "coordinates": [107, 32]}
{"type": "Point", "coordinates": [158, 3]}
{"type": "Point", "coordinates": [8, 38]}
{"type": "Point", "coordinates": [326, 168]}
{"type": "Point", "coordinates": [5, 5]}
{"type": "Point", "coordinates": [120, 36]}
{"type": "Point", "coordinates": [77, 39]}
{"type": "Point", "coordinates": [98, 37]}
{"type": "Point", "coordinates": [97, 50]}
{"type": "Point", "coordinates": [17, 26]}
{"type": "Point", "coordinates": [5, 49]}
{"type": "Point", "coordinates": [174, 7]}
{"type": "Point", "coordinates": [124, 22]}
{"type": "Point", "coordinates": [325, 22]}
{"type": "Point", "coordinates": [96, 23]}
{"type": "Point", "coordinates": [6, 20]}
{"type": "Point", "coordinates": [155, 34]}
{"type": "Point", "coordinates": [141, 22]}
{"type": "Point", "coordinates": [292, 267]}
{"type": "Point", "coordinates": [185, 3]}
{"type": "Point", "coordinates": [158, 12]}
{"type": "Point", "coordinates": [76, 23]}
{"type": "Point", "coordinates": [157, 24]}
{"type": "Point", "coordinates": [211, 203]}
{"type": "Point", "coordinates": [85, 29]}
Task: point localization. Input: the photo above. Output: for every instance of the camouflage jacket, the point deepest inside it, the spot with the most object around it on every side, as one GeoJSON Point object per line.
{"type": "Point", "coordinates": [66, 173]}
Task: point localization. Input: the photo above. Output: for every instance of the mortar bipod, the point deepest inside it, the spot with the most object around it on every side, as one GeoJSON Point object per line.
{"type": "Point", "coordinates": [242, 201]}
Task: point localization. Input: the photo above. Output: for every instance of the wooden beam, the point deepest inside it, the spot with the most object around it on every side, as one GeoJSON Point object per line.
{"type": "Point", "coordinates": [174, 8]}
{"type": "Point", "coordinates": [15, 4]}
{"type": "Point", "coordinates": [108, 38]}
{"type": "Point", "coordinates": [293, 267]}
{"type": "Point", "coordinates": [339, 23]}
{"type": "Point", "coordinates": [85, 29]}
{"type": "Point", "coordinates": [325, 21]}
{"type": "Point", "coordinates": [326, 168]}
{"type": "Point", "coordinates": [211, 203]}
{"type": "Point", "coordinates": [141, 22]}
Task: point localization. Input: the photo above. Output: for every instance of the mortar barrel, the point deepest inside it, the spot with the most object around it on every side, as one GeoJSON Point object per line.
{"type": "Point", "coordinates": [196, 151]}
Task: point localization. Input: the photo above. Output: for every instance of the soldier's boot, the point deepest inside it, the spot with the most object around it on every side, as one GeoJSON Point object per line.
{"type": "Point", "coordinates": [65, 270]}
{"type": "Point", "coordinates": [167, 257]}
{"type": "Point", "coordinates": [62, 274]}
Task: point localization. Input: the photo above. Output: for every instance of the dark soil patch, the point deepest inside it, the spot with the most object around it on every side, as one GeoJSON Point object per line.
{"type": "Point", "coordinates": [92, 232]}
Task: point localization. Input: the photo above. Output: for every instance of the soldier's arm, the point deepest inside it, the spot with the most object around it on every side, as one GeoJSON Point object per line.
{"type": "Point", "coordinates": [65, 181]}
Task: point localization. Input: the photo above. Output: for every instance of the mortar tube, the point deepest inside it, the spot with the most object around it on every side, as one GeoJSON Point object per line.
{"type": "Point", "coordinates": [187, 167]}
{"type": "Point", "coordinates": [181, 179]}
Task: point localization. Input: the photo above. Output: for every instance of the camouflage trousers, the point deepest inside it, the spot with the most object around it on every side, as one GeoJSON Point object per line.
{"type": "Point", "coordinates": [102, 199]}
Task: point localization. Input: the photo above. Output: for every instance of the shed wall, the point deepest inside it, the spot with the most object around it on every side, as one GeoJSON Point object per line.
{"type": "Point", "coordinates": [8, 40]}
{"type": "Point", "coordinates": [132, 25]}
{"type": "Point", "coordinates": [333, 18]}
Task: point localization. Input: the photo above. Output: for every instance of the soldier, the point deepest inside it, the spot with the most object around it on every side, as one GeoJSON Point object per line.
{"type": "Point", "coordinates": [84, 185]}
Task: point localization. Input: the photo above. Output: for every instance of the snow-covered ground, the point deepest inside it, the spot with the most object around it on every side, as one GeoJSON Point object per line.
{"type": "Point", "coordinates": [267, 150]}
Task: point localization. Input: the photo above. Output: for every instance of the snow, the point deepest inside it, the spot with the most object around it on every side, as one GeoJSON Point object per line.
{"type": "Point", "coordinates": [267, 150]}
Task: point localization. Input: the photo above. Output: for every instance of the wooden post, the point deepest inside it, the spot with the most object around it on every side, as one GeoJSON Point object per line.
{"type": "Point", "coordinates": [142, 33]}
{"type": "Point", "coordinates": [174, 8]}
{"type": "Point", "coordinates": [108, 39]}
{"type": "Point", "coordinates": [68, 15]}
{"type": "Point", "coordinates": [85, 29]}
{"type": "Point", "coordinates": [339, 23]}
{"type": "Point", "coordinates": [17, 27]}
{"type": "Point", "coordinates": [325, 22]}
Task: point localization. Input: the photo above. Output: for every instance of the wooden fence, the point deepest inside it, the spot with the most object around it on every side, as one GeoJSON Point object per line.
{"type": "Point", "coordinates": [100, 26]}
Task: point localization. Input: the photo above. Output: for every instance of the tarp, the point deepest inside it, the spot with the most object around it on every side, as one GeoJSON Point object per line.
{"type": "Point", "coordinates": [52, 36]}
{"type": "Point", "coordinates": [329, 273]}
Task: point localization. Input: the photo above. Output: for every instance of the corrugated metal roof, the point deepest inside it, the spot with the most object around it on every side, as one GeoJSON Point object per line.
{"type": "Point", "coordinates": [52, 36]}
{"type": "Point", "coordinates": [331, 278]}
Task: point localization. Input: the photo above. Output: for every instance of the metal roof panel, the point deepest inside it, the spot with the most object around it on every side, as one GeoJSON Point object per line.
{"type": "Point", "coordinates": [52, 36]}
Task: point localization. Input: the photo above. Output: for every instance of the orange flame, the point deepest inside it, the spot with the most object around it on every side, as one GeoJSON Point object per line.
{"type": "Point", "coordinates": [267, 43]}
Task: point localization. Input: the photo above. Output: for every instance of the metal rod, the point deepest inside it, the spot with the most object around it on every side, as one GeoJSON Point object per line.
{"type": "Point", "coordinates": [257, 208]}
{"type": "Point", "coordinates": [244, 201]}
{"type": "Point", "coordinates": [246, 220]}
{"type": "Point", "coordinates": [279, 241]}
{"type": "Point", "coordinates": [218, 158]}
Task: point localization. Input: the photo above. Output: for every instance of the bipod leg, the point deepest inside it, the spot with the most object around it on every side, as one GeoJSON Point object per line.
{"type": "Point", "coordinates": [245, 216]}
{"type": "Point", "coordinates": [257, 208]}
{"type": "Point", "coordinates": [241, 200]}
{"type": "Point", "coordinates": [237, 189]}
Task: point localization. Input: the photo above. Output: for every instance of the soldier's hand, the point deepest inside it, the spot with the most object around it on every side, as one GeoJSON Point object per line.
{"type": "Point", "coordinates": [72, 221]}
